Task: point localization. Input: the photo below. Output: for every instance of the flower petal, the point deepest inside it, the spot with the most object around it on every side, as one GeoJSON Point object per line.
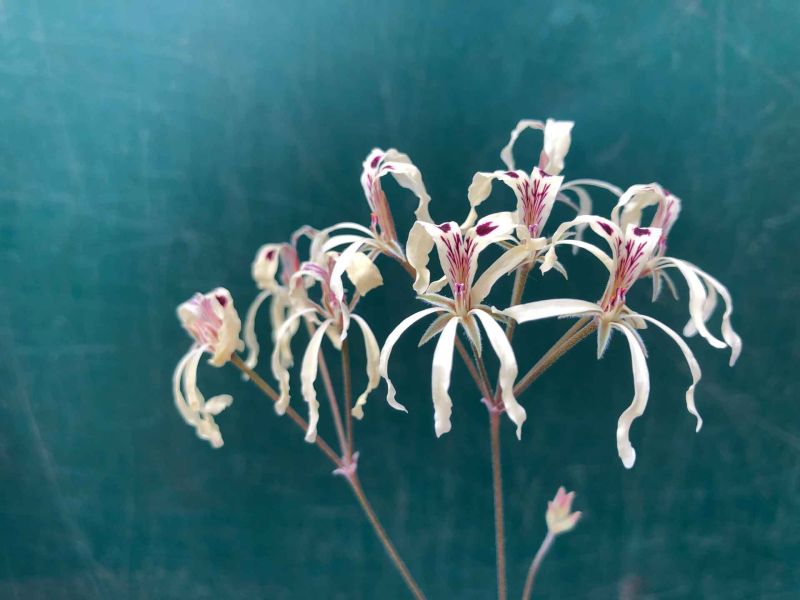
{"type": "Point", "coordinates": [694, 366]}
{"type": "Point", "coordinates": [641, 384]}
{"type": "Point", "coordinates": [373, 353]}
{"type": "Point", "coordinates": [364, 274]}
{"type": "Point", "coordinates": [217, 404]}
{"type": "Point", "coordinates": [308, 375]}
{"type": "Point", "coordinates": [177, 377]}
{"type": "Point", "coordinates": [341, 265]}
{"type": "Point", "coordinates": [697, 298]}
{"type": "Point", "coordinates": [557, 140]}
{"type": "Point", "coordinates": [509, 261]}
{"type": "Point", "coordinates": [508, 368]}
{"type": "Point", "coordinates": [545, 309]}
{"type": "Point", "coordinates": [279, 369]}
{"type": "Point", "coordinates": [250, 337]}
{"type": "Point", "coordinates": [386, 352]}
{"type": "Point", "coordinates": [440, 377]}
{"type": "Point", "coordinates": [507, 153]}
{"type": "Point", "coordinates": [418, 250]}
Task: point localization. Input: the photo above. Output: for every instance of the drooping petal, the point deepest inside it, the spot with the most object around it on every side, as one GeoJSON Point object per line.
{"type": "Point", "coordinates": [694, 366]}
{"type": "Point", "coordinates": [188, 414]}
{"type": "Point", "coordinates": [250, 337]}
{"type": "Point", "coordinates": [546, 309]}
{"type": "Point", "coordinates": [557, 140]}
{"type": "Point", "coordinates": [279, 369]}
{"type": "Point", "coordinates": [509, 261]}
{"type": "Point", "coordinates": [280, 308]}
{"type": "Point", "coordinates": [204, 424]}
{"type": "Point", "coordinates": [697, 298]}
{"type": "Point", "coordinates": [440, 377]}
{"type": "Point", "coordinates": [508, 368]}
{"type": "Point", "coordinates": [731, 338]}
{"type": "Point", "coordinates": [641, 384]}
{"type": "Point", "coordinates": [373, 353]}
{"type": "Point", "coordinates": [386, 352]}
{"type": "Point", "coordinates": [363, 273]}
{"type": "Point", "coordinates": [308, 375]}
{"type": "Point", "coordinates": [507, 153]}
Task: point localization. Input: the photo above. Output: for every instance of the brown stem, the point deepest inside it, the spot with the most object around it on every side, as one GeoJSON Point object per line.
{"type": "Point", "coordinates": [497, 479]}
{"type": "Point", "coordinates": [348, 396]}
{"type": "Point", "coordinates": [536, 563]}
{"type": "Point", "coordinates": [575, 334]}
{"type": "Point", "coordinates": [346, 470]}
{"type": "Point", "coordinates": [412, 585]}
{"type": "Point", "coordinates": [271, 393]}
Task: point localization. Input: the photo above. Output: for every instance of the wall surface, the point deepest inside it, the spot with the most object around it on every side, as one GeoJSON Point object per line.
{"type": "Point", "coordinates": [149, 148]}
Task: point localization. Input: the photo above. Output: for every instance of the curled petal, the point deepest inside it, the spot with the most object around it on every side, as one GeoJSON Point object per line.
{"type": "Point", "coordinates": [418, 250]}
{"type": "Point", "coordinates": [691, 361]}
{"type": "Point", "coordinates": [373, 352]}
{"type": "Point", "coordinates": [386, 352]}
{"type": "Point", "coordinates": [641, 384]}
{"type": "Point", "coordinates": [440, 377]}
{"type": "Point", "coordinates": [731, 338]}
{"type": "Point", "coordinates": [508, 368]}
{"type": "Point", "coordinates": [308, 375]}
{"type": "Point", "coordinates": [250, 337]}
{"type": "Point", "coordinates": [279, 369]}
{"type": "Point", "coordinates": [507, 153]}
{"type": "Point", "coordinates": [217, 404]}
{"type": "Point", "coordinates": [697, 299]}
{"type": "Point", "coordinates": [265, 266]}
{"type": "Point", "coordinates": [183, 407]}
{"type": "Point", "coordinates": [550, 257]}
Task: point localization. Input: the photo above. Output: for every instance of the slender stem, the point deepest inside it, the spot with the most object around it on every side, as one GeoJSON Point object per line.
{"type": "Point", "coordinates": [520, 279]}
{"type": "Point", "coordinates": [497, 479]}
{"type": "Point", "coordinates": [536, 563]}
{"type": "Point", "coordinates": [348, 396]}
{"type": "Point", "coordinates": [271, 393]}
{"type": "Point", "coordinates": [577, 332]}
{"type": "Point", "coordinates": [413, 587]}
{"type": "Point", "coordinates": [350, 475]}
{"type": "Point", "coordinates": [334, 403]}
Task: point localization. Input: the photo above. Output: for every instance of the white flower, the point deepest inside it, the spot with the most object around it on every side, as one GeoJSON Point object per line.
{"type": "Point", "coordinates": [458, 254]}
{"type": "Point", "coordinates": [214, 325]}
{"type": "Point", "coordinates": [381, 236]}
{"type": "Point", "coordinates": [631, 251]}
{"type": "Point", "coordinates": [703, 288]}
{"type": "Point", "coordinates": [331, 316]}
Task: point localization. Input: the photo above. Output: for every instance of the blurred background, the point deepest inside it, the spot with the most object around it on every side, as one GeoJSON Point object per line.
{"type": "Point", "coordinates": [149, 148]}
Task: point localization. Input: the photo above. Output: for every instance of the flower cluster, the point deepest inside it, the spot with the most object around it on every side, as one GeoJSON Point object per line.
{"type": "Point", "coordinates": [318, 277]}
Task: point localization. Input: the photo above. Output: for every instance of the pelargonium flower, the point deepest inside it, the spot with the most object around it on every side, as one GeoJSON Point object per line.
{"type": "Point", "coordinates": [212, 322]}
{"type": "Point", "coordinates": [703, 288]}
{"type": "Point", "coordinates": [331, 317]}
{"type": "Point", "coordinates": [381, 236]}
{"type": "Point", "coordinates": [631, 251]}
{"type": "Point", "coordinates": [458, 255]}
{"type": "Point", "coordinates": [265, 273]}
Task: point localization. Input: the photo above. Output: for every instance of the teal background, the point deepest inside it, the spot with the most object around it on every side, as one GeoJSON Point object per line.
{"type": "Point", "coordinates": [149, 148]}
